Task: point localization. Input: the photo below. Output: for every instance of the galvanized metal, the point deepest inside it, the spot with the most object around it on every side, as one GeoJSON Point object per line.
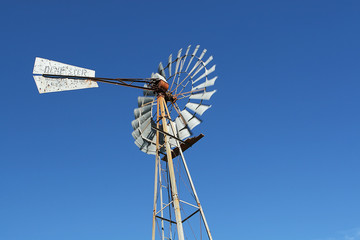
{"type": "Point", "coordinates": [190, 119]}
{"type": "Point", "coordinates": [164, 132]}
{"type": "Point", "coordinates": [207, 83]}
{"type": "Point", "coordinates": [197, 108]}
{"type": "Point", "coordinates": [46, 66]}
{"type": "Point", "coordinates": [195, 194]}
{"type": "Point", "coordinates": [190, 87]}
{"type": "Point", "coordinates": [184, 132]}
{"type": "Point", "coordinates": [202, 96]}
{"type": "Point", "coordinates": [206, 73]}
{"type": "Point", "coordinates": [157, 176]}
{"type": "Point", "coordinates": [193, 189]}
{"type": "Point", "coordinates": [46, 84]}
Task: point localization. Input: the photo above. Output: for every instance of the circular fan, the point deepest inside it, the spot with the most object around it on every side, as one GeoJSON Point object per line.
{"type": "Point", "coordinates": [187, 76]}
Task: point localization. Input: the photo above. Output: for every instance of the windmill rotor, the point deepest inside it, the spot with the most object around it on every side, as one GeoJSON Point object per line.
{"type": "Point", "coordinates": [188, 81]}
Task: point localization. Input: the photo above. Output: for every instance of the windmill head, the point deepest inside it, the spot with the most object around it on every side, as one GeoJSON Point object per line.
{"type": "Point", "coordinates": [184, 84]}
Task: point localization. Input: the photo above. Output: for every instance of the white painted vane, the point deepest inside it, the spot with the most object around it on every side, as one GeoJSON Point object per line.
{"type": "Point", "coordinates": [48, 67]}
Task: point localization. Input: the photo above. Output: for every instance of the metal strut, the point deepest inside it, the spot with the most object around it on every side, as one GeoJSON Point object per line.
{"type": "Point", "coordinates": [180, 148]}
{"type": "Point", "coordinates": [126, 82]}
{"type": "Point", "coordinates": [163, 118]}
{"type": "Point", "coordinates": [174, 193]}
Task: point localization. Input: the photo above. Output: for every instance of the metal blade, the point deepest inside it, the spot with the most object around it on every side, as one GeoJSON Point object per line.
{"type": "Point", "coordinates": [190, 119]}
{"type": "Point", "coordinates": [46, 85]}
{"type": "Point", "coordinates": [184, 59]}
{"type": "Point", "coordinates": [201, 67]}
{"type": "Point", "coordinates": [46, 66]}
{"type": "Point", "coordinates": [202, 96]}
{"type": "Point", "coordinates": [142, 110]}
{"type": "Point", "coordinates": [139, 142]}
{"type": "Point", "coordinates": [197, 63]}
{"type": "Point", "coordinates": [206, 73]}
{"type": "Point", "coordinates": [184, 132]}
{"type": "Point", "coordinates": [161, 70]}
{"type": "Point", "coordinates": [137, 122]}
{"type": "Point", "coordinates": [208, 60]}
{"type": "Point", "coordinates": [161, 139]}
{"type": "Point", "coordinates": [146, 140]}
{"type": "Point", "coordinates": [169, 64]}
{"type": "Point", "coordinates": [192, 57]}
{"type": "Point", "coordinates": [207, 83]}
{"type": "Point", "coordinates": [177, 61]}
{"type": "Point", "coordinates": [146, 137]}
{"type": "Point", "coordinates": [179, 124]}
{"type": "Point", "coordinates": [148, 92]}
{"type": "Point", "coordinates": [151, 149]}
{"type": "Point", "coordinates": [148, 133]}
{"type": "Point", "coordinates": [136, 133]}
{"type": "Point", "coordinates": [202, 54]}
{"type": "Point", "coordinates": [142, 144]}
{"type": "Point", "coordinates": [141, 128]}
{"type": "Point", "coordinates": [172, 141]}
{"type": "Point", "coordinates": [187, 50]}
{"type": "Point", "coordinates": [145, 101]}
{"type": "Point", "coordinates": [197, 108]}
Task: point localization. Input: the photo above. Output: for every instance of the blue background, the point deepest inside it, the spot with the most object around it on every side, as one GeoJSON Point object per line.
{"type": "Point", "coordinates": [280, 157]}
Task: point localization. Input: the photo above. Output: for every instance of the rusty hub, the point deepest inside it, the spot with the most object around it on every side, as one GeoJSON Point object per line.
{"type": "Point", "coordinates": [169, 97]}
{"type": "Point", "coordinates": [161, 88]}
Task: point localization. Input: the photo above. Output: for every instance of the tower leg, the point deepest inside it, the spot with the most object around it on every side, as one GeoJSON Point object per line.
{"type": "Point", "coordinates": [195, 194]}
{"type": "Point", "coordinates": [174, 193]}
{"type": "Point", "coordinates": [192, 184]}
{"type": "Point", "coordinates": [161, 200]}
{"type": "Point", "coordinates": [157, 162]}
{"type": "Point", "coordinates": [173, 203]}
{"type": "Point", "coordinates": [155, 196]}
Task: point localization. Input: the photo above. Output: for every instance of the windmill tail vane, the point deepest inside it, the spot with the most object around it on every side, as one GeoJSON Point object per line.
{"type": "Point", "coordinates": [172, 103]}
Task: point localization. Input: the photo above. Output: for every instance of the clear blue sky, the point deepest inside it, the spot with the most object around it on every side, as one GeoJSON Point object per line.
{"type": "Point", "coordinates": [281, 155]}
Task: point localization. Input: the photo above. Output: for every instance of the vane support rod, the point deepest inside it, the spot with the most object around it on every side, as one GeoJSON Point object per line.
{"type": "Point", "coordinates": [142, 80]}
{"type": "Point", "coordinates": [126, 82]}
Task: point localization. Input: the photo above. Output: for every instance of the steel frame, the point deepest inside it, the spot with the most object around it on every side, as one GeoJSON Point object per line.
{"type": "Point", "coordinates": [170, 184]}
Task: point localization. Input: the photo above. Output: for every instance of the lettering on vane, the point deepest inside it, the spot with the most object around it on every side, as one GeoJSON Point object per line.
{"type": "Point", "coordinates": [65, 70]}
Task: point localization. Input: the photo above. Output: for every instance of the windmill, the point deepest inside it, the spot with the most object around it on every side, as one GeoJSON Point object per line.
{"type": "Point", "coordinates": [168, 110]}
